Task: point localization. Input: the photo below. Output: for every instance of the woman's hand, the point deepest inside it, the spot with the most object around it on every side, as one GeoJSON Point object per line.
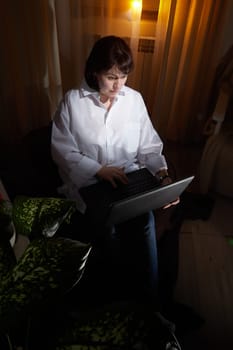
{"type": "Point", "coordinates": [166, 181]}
{"type": "Point", "coordinates": [112, 175]}
{"type": "Point", "coordinates": [175, 202]}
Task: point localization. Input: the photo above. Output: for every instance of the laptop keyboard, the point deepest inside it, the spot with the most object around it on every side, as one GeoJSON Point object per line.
{"type": "Point", "coordinates": [140, 181]}
{"type": "Point", "coordinates": [100, 196]}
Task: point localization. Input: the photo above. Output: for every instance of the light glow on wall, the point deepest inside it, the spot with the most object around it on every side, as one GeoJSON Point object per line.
{"type": "Point", "coordinates": [136, 9]}
{"type": "Point", "coordinates": [136, 4]}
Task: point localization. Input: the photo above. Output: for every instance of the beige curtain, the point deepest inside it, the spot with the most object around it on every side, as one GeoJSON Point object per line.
{"type": "Point", "coordinates": [45, 44]}
{"type": "Point", "coordinates": [30, 84]}
{"type": "Point", "coordinates": [187, 39]}
{"type": "Point", "coordinates": [80, 23]}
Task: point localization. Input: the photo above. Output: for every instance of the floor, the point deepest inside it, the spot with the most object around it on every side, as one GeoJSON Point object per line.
{"type": "Point", "coordinates": [205, 271]}
{"type": "Point", "coordinates": [205, 278]}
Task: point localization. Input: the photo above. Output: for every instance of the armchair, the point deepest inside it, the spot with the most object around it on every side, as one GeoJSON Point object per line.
{"type": "Point", "coordinates": [35, 288]}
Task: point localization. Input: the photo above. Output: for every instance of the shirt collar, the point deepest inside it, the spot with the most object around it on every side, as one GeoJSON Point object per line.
{"type": "Point", "coordinates": [85, 90]}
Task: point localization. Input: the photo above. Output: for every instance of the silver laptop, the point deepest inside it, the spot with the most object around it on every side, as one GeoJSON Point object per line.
{"type": "Point", "coordinates": [143, 193]}
{"type": "Point", "coordinates": [123, 210]}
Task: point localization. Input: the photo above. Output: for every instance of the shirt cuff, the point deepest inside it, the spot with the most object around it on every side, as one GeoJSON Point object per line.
{"type": "Point", "coordinates": [84, 172]}
{"type": "Point", "coordinates": [155, 163]}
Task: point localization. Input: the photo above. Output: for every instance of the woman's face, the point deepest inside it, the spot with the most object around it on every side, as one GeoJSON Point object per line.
{"type": "Point", "coordinates": [111, 82]}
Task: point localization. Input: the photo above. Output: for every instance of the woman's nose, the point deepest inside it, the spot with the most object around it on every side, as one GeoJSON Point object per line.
{"type": "Point", "coordinates": [117, 84]}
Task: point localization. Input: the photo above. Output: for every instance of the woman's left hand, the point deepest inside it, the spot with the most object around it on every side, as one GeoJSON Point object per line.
{"type": "Point", "coordinates": [167, 181]}
{"type": "Point", "coordinates": [175, 202]}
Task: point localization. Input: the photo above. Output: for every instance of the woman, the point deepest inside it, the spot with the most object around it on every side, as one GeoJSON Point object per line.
{"type": "Point", "coordinates": [103, 131]}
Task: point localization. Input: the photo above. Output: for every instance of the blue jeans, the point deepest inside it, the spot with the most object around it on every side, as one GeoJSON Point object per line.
{"type": "Point", "coordinates": [124, 257]}
{"type": "Point", "coordinates": [133, 245]}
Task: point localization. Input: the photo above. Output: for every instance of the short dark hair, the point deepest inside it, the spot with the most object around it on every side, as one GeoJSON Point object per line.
{"type": "Point", "coordinates": [107, 52]}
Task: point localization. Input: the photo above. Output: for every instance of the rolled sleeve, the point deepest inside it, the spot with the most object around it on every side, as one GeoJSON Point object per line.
{"type": "Point", "coordinates": [73, 164]}
{"type": "Point", "coordinates": [151, 146]}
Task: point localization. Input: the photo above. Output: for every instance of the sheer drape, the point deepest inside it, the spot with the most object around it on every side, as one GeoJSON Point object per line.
{"type": "Point", "coordinates": [81, 23]}
{"type": "Point", "coordinates": [45, 44]}
{"type": "Point", "coordinates": [187, 40]}
{"type": "Point", "coordinates": [30, 83]}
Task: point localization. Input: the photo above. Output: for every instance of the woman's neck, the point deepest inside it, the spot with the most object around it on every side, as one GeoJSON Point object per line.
{"type": "Point", "coordinates": [106, 101]}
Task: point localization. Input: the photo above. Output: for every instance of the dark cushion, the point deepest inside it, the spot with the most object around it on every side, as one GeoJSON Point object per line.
{"type": "Point", "coordinates": [48, 268]}
{"type": "Point", "coordinates": [6, 224]}
{"type": "Point", "coordinates": [33, 216]}
{"type": "Point", "coordinates": [117, 326]}
{"type": "Point", "coordinates": [7, 229]}
{"type": "Point", "coordinates": [7, 258]}
{"type": "Point", "coordinates": [31, 160]}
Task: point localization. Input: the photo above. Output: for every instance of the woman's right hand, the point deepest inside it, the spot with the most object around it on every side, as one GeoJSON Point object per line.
{"type": "Point", "coordinates": [112, 175]}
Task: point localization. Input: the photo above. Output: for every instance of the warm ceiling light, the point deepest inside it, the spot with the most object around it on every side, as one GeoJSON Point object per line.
{"type": "Point", "coordinates": [136, 4]}
{"type": "Point", "coordinates": [136, 9]}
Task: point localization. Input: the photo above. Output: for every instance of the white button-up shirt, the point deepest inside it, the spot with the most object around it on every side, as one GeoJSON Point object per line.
{"type": "Point", "coordinates": [86, 136]}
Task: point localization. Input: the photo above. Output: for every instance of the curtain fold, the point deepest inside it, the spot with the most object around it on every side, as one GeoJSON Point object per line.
{"type": "Point", "coordinates": [30, 84]}
{"type": "Point", "coordinates": [184, 63]}
{"type": "Point", "coordinates": [81, 23]}
{"type": "Point", "coordinates": [45, 44]}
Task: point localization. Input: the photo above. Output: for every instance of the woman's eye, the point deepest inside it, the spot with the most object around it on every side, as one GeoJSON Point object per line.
{"type": "Point", "coordinates": [112, 77]}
